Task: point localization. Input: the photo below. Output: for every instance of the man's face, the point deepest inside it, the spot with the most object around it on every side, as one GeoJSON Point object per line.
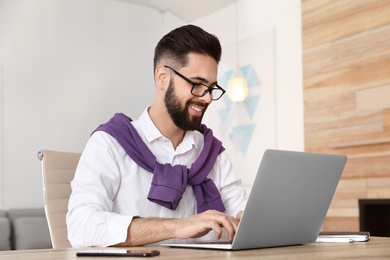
{"type": "Point", "coordinates": [179, 113]}
{"type": "Point", "coordinates": [185, 109]}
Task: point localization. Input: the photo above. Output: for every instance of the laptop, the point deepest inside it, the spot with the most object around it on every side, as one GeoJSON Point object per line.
{"type": "Point", "coordinates": [287, 204]}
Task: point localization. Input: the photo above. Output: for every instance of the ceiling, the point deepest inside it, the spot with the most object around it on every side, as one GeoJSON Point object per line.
{"type": "Point", "coordinates": [188, 10]}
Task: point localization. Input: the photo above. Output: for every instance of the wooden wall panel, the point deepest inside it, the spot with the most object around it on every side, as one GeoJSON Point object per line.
{"type": "Point", "coordinates": [334, 61]}
{"type": "Point", "coordinates": [347, 25]}
{"type": "Point", "coordinates": [346, 64]}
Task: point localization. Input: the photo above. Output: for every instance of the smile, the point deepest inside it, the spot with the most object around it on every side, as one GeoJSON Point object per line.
{"type": "Point", "coordinates": [196, 108]}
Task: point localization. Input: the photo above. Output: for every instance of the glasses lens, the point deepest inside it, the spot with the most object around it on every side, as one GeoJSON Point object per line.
{"type": "Point", "coordinates": [216, 94]}
{"type": "Point", "coordinates": [200, 90]}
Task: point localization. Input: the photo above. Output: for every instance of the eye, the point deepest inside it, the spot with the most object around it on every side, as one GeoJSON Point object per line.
{"type": "Point", "coordinates": [199, 89]}
{"type": "Point", "coordinates": [199, 85]}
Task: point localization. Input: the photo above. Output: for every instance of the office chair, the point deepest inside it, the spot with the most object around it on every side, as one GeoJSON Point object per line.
{"type": "Point", "coordinates": [58, 169]}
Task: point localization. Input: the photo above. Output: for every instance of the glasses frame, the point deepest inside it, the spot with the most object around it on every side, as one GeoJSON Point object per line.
{"type": "Point", "coordinates": [208, 90]}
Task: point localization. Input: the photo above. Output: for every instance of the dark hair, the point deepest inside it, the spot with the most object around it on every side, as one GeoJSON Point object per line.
{"type": "Point", "coordinates": [177, 44]}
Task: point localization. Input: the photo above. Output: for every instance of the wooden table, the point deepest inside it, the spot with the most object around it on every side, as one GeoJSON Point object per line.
{"type": "Point", "coordinates": [375, 248]}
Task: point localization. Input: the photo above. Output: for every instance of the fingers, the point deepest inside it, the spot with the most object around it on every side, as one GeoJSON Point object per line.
{"type": "Point", "coordinates": [217, 228]}
{"type": "Point", "coordinates": [201, 224]}
{"type": "Point", "coordinates": [218, 220]}
{"type": "Point", "coordinates": [239, 215]}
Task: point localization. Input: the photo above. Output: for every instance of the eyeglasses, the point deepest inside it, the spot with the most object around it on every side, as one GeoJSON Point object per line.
{"type": "Point", "coordinates": [199, 89]}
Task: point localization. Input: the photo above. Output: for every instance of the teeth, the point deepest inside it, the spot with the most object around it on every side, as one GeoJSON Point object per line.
{"type": "Point", "coordinates": [196, 108]}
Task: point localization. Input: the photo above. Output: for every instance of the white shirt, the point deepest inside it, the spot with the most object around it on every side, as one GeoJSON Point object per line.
{"type": "Point", "coordinates": [109, 188]}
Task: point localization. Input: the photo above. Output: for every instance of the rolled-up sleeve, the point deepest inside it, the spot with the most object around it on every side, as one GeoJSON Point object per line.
{"type": "Point", "coordinates": [233, 194]}
{"type": "Point", "coordinates": [90, 218]}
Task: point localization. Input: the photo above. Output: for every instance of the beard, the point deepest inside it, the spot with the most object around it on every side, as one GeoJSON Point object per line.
{"type": "Point", "coordinates": [179, 114]}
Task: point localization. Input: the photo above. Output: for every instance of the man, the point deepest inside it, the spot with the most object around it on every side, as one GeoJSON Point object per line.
{"type": "Point", "coordinates": [164, 175]}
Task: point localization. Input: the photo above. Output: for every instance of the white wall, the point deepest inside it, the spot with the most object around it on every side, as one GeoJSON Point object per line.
{"type": "Point", "coordinates": [1, 131]}
{"type": "Point", "coordinates": [257, 16]}
{"type": "Point", "coordinates": [68, 65]}
{"type": "Point", "coordinates": [283, 19]}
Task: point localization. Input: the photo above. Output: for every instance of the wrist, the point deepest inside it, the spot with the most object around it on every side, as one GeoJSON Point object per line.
{"type": "Point", "coordinates": [170, 226]}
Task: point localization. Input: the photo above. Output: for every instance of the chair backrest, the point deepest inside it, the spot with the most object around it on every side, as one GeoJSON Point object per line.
{"type": "Point", "coordinates": [58, 170]}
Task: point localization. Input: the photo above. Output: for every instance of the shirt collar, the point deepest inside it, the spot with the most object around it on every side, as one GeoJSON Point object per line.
{"type": "Point", "coordinates": [152, 133]}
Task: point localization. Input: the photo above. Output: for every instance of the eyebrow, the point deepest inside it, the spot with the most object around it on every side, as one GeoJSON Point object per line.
{"type": "Point", "coordinates": [204, 80]}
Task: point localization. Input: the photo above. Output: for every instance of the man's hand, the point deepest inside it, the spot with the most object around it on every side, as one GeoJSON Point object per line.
{"type": "Point", "coordinates": [144, 231]}
{"type": "Point", "coordinates": [201, 224]}
{"type": "Point", "coordinates": [239, 215]}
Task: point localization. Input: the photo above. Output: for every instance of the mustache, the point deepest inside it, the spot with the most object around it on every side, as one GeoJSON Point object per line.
{"type": "Point", "coordinates": [198, 103]}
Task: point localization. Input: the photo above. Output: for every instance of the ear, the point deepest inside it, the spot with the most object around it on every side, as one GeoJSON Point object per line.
{"type": "Point", "coordinates": [161, 77]}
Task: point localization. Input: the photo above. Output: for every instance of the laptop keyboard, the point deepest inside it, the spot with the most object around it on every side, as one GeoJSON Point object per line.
{"type": "Point", "coordinates": [215, 242]}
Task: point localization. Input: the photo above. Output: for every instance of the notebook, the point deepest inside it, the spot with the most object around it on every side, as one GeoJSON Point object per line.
{"type": "Point", "coordinates": [343, 236]}
{"type": "Point", "coordinates": [288, 201]}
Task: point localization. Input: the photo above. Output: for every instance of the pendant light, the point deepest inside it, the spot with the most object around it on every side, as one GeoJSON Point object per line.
{"type": "Point", "coordinates": [237, 89]}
